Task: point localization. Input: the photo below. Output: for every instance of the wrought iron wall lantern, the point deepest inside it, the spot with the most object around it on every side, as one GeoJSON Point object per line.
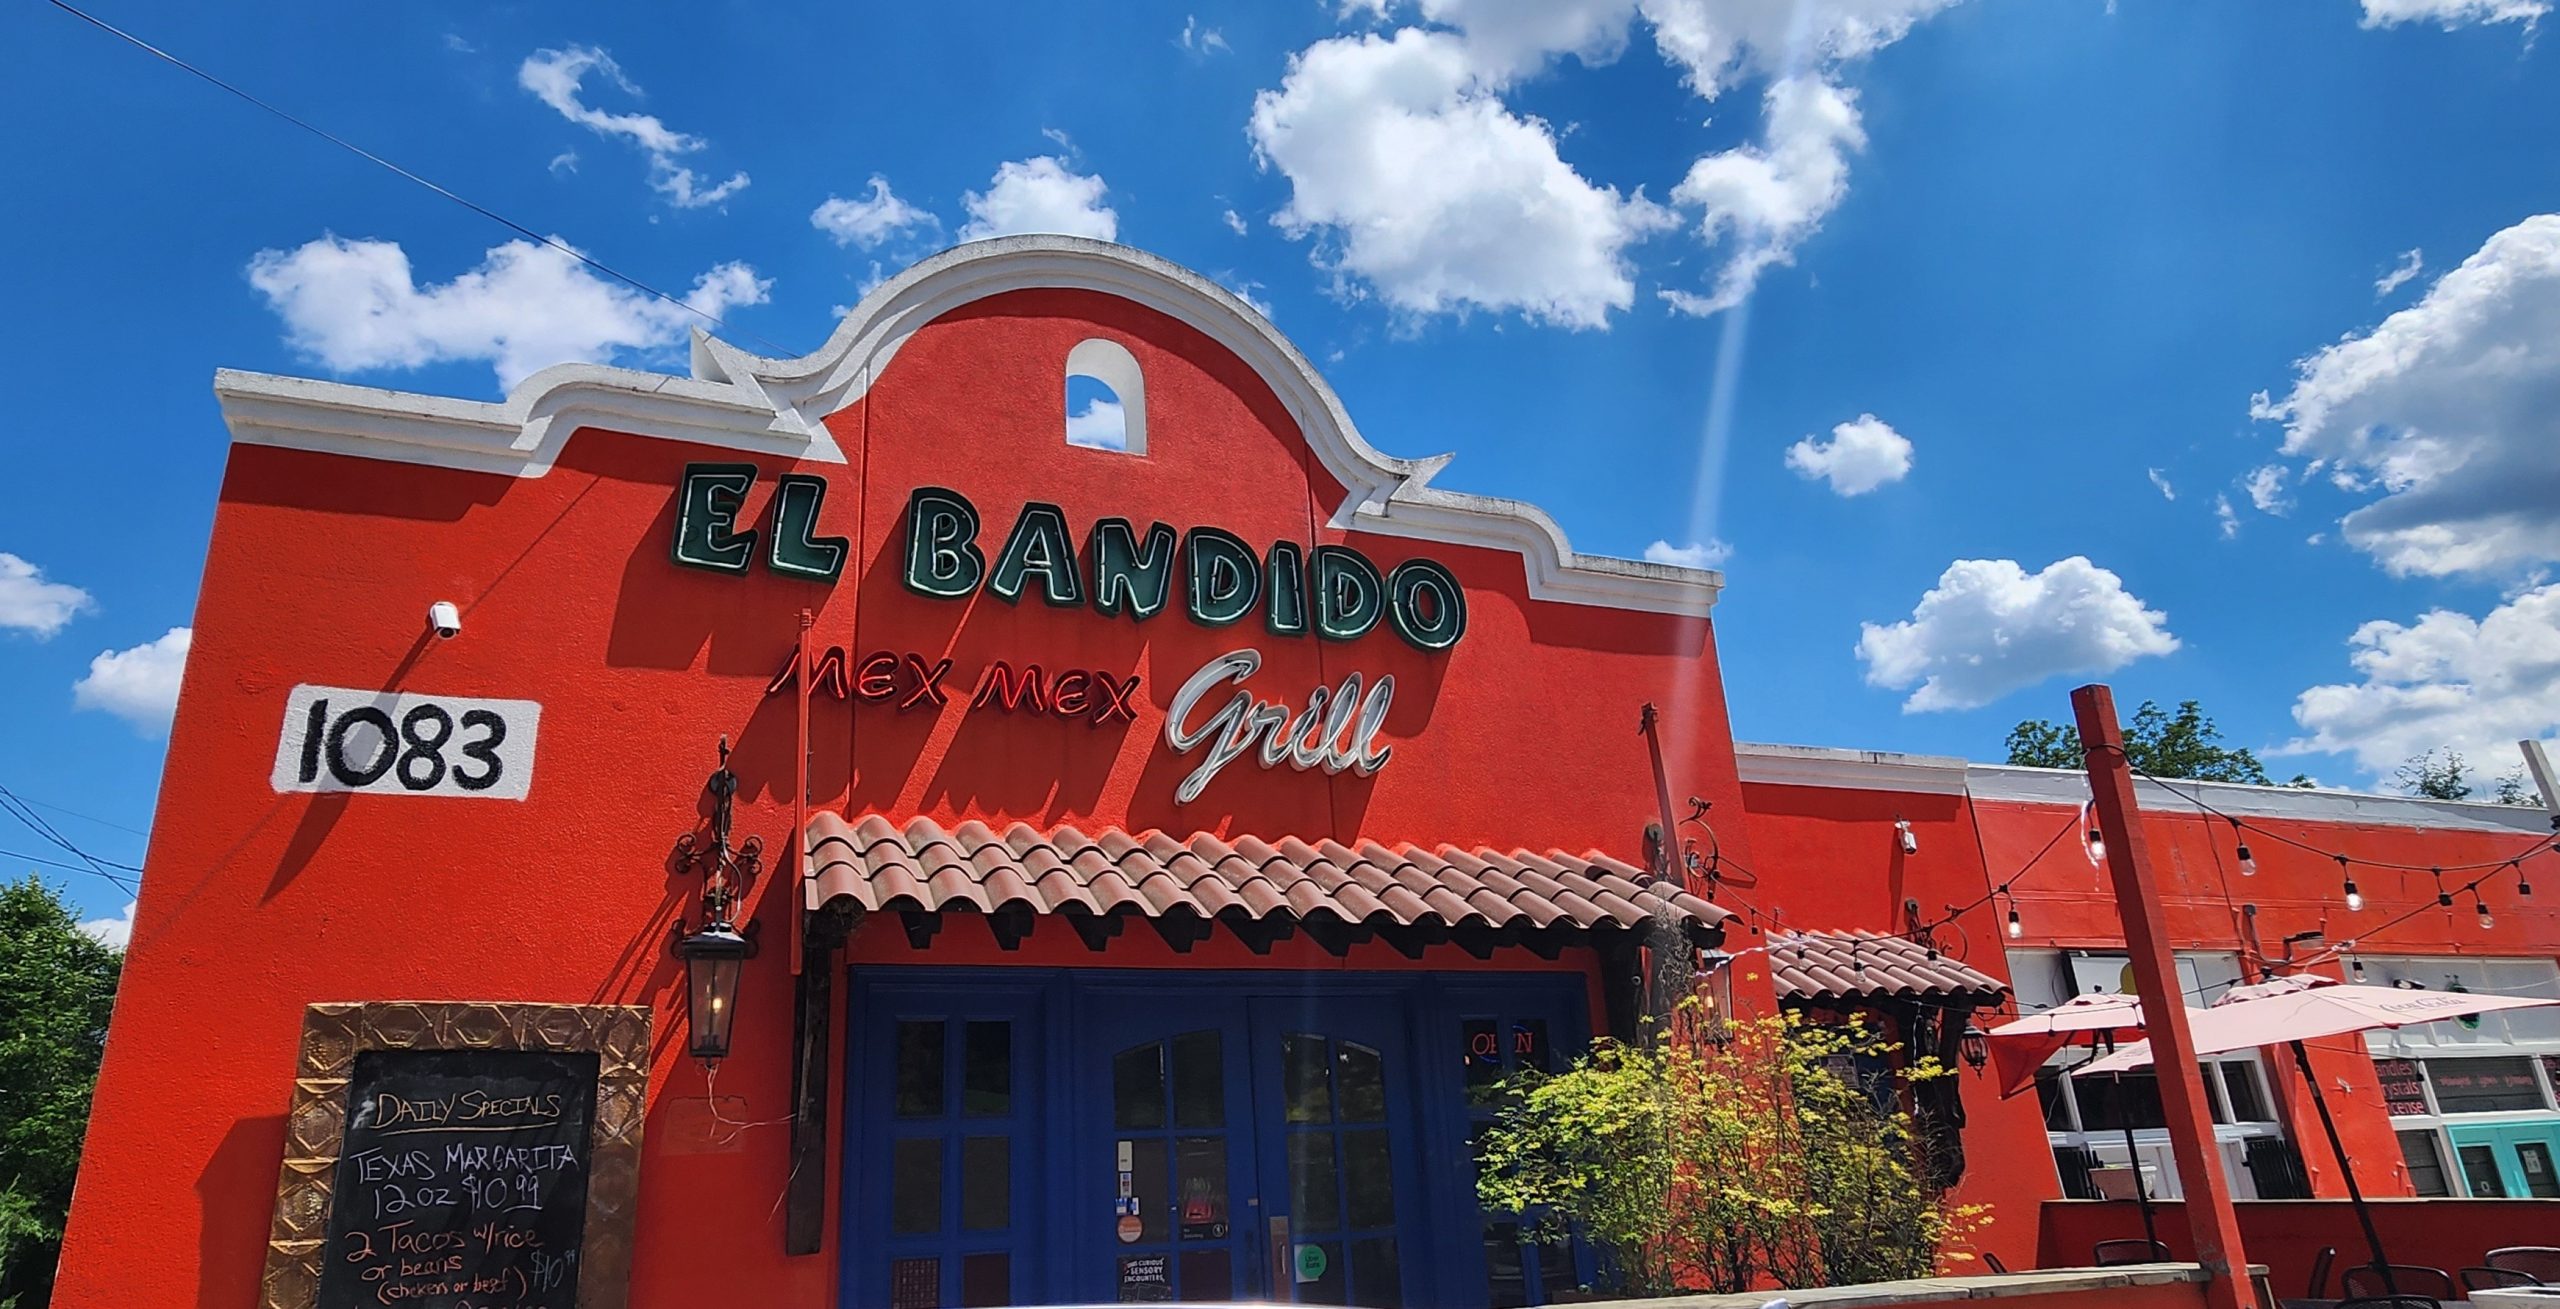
{"type": "Point", "coordinates": [1974, 1046]}
{"type": "Point", "coordinates": [715, 954]}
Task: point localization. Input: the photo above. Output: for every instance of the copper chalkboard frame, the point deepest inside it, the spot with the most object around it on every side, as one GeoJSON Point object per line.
{"type": "Point", "coordinates": [315, 1128]}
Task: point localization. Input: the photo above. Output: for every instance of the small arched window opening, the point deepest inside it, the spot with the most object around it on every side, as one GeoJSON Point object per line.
{"type": "Point", "coordinates": [1106, 398]}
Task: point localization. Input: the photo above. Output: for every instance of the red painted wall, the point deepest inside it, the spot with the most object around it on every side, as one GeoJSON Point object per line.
{"type": "Point", "coordinates": [322, 567]}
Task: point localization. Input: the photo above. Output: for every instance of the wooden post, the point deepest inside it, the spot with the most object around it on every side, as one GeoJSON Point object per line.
{"type": "Point", "coordinates": [812, 1054]}
{"type": "Point", "coordinates": [2213, 1224]}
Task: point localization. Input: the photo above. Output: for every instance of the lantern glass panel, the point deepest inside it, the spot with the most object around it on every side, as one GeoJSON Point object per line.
{"type": "Point", "coordinates": [714, 983]}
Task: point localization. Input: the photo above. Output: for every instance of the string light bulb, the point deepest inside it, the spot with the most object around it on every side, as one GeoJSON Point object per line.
{"type": "Point", "coordinates": [1902, 833]}
{"type": "Point", "coordinates": [2355, 898]}
{"type": "Point", "coordinates": [2355, 965]}
{"type": "Point", "coordinates": [2444, 898]}
{"type": "Point", "coordinates": [2524, 889]}
{"type": "Point", "coordinates": [2487, 921]}
{"type": "Point", "coordinates": [2097, 847]}
{"type": "Point", "coordinates": [2016, 929]}
{"type": "Point", "coordinates": [2248, 865]}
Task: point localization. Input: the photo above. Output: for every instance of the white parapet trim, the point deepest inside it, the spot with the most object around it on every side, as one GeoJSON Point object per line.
{"type": "Point", "coordinates": [777, 407]}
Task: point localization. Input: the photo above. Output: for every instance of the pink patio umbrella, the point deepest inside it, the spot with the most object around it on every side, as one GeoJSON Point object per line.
{"type": "Point", "coordinates": [2020, 1048]}
{"type": "Point", "coordinates": [2291, 1010]}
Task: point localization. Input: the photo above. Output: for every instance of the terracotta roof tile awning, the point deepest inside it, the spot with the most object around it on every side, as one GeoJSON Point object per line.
{"type": "Point", "coordinates": [922, 866]}
{"type": "Point", "coordinates": [1818, 966]}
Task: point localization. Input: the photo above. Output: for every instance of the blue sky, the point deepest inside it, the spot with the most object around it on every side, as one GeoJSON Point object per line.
{"type": "Point", "coordinates": [1992, 345]}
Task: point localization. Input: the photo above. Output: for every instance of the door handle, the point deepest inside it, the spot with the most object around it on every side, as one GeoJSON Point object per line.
{"type": "Point", "coordinates": [1283, 1272]}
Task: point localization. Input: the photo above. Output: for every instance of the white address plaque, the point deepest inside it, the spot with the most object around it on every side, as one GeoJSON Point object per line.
{"type": "Point", "coordinates": [395, 743]}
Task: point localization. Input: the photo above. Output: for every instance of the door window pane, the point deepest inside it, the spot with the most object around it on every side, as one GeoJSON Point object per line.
{"type": "Point", "coordinates": [915, 1284]}
{"type": "Point", "coordinates": [1505, 1280]}
{"type": "Point", "coordinates": [986, 1183]}
{"type": "Point", "coordinates": [1368, 1180]}
{"type": "Point", "coordinates": [1199, 1080]}
{"type": "Point", "coordinates": [1360, 1078]}
{"type": "Point", "coordinates": [1137, 1086]}
{"type": "Point", "coordinates": [919, 1069]}
{"type": "Point", "coordinates": [1200, 1180]}
{"type": "Point", "coordinates": [2482, 1086]}
{"type": "Point", "coordinates": [1556, 1270]}
{"type": "Point", "coordinates": [1315, 1200]}
{"type": "Point", "coordinates": [1376, 1280]}
{"type": "Point", "coordinates": [986, 1078]}
{"type": "Point", "coordinates": [1304, 1090]}
{"type": "Point", "coordinates": [1331, 1278]}
{"type": "Point", "coordinates": [2480, 1171]}
{"type": "Point", "coordinates": [1208, 1275]}
{"type": "Point", "coordinates": [1529, 1047]}
{"type": "Point", "coordinates": [986, 1280]}
{"type": "Point", "coordinates": [1480, 1044]}
{"type": "Point", "coordinates": [915, 1186]}
{"type": "Point", "coordinates": [2426, 1164]}
{"type": "Point", "coordinates": [2538, 1179]}
{"type": "Point", "coordinates": [1150, 1176]}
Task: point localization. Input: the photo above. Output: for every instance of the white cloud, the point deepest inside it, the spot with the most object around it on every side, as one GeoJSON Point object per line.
{"type": "Point", "coordinates": [1247, 290]}
{"type": "Point", "coordinates": [1989, 628]}
{"type": "Point", "coordinates": [1102, 424]}
{"type": "Point", "coordinates": [870, 220]}
{"type": "Point", "coordinates": [455, 42]}
{"type": "Point", "coordinates": [1040, 195]}
{"type": "Point", "coordinates": [115, 933]}
{"type": "Point", "coordinates": [2411, 261]}
{"type": "Point", "coordinates": [1420, 185]}
{"type": "Point", "coordinates": [1861, 456]}
{"type": "Point", "coordinates": [556, 78]}
{"type": "Point", "coordinates": [2451, 408]}
{"type": "Point", "coordinates": [2444, 681]}
{"type": "Point", "coordinates": [2265, 485]}
{"type": "Point", "coordinates": [29, 603]}
{"type": "Point", "coordinates": [2450, 14]}
{"type": "Point", "coordinates": [2160, 482]}
{"type": "Point", "coordinates": [1761, 201]}
{"type": "Point", "coordinates": [564, 162]}
{"type": "Point", "coordinates": [1201, 40]}
{"type": "Point", "coordinates": [1707, 554]}
{"type": "Point", "coordinates": [1233, 220]}
{"type": "Point", "coordinates": [139, 685]}
{"type": "Point", "coordinates": [354, 305]}
{"type": "Point", "coordinates": [1718, 42]}
{"type": "Point", "coordinates": [2225, 517]}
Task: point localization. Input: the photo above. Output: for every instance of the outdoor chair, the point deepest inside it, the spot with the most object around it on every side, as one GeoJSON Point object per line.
{"type": "Point", "coordinates": [2406, 1279]}
{"type": "Point", "coordinates": [2490, 1279]}
{"type": "Point", "coordinates": [2391, 1302]}
{"type": "Point", "coordinates": [2539, 1262]}
{"type": "Point", "coordinates": [2320, 1272]}
{"type": "Point", "coordinates": [2129, 1250]}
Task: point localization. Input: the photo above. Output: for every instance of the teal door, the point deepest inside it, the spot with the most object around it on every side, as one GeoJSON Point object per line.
{"type": "Point", "coordinates": [2516, 1160]}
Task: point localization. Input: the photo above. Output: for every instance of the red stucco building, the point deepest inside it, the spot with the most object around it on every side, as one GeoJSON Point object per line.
{"type": "Point", "coordinates": [1186, 824]}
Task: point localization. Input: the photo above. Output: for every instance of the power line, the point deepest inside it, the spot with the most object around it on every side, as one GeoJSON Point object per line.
{"type": "Point", "coordinates": [34, 822]}
{"type": "Point", "coordinates": [121, 883]}
{"type": "Point", "coordinates": [362, 153]}
{"type": "Point", "coordinates": [86, 818]}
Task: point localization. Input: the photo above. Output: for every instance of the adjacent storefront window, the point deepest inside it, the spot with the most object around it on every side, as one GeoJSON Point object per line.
{"type": "Point", "coordinates": [2473, 1099]}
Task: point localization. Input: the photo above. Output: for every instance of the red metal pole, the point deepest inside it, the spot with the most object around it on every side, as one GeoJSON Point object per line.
{"type": "Point", "coordinates": [2212, 1222]}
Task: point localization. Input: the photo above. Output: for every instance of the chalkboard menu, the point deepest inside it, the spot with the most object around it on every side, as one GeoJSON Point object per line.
{"type": "Point", "coordinates": [2404, 1088]}
{"type": "Point", "coordinates": [460, 1155]}
{"type": "Point", "coordinates": [462, 1182]}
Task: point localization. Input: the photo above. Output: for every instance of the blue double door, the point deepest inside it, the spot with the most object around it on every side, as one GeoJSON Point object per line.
{"type": "Point", "coordinates": [1097, 1137]}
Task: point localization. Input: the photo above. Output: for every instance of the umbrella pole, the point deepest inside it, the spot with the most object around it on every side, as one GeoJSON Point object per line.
{"type": "Point", "coordinates": [2355, 1194]}
{"type": "Point", "coordinates": [2141, 1193]}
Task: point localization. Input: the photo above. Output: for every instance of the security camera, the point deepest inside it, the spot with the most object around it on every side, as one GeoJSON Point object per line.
{"type": "Point", "coordinates": [445, 619]}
